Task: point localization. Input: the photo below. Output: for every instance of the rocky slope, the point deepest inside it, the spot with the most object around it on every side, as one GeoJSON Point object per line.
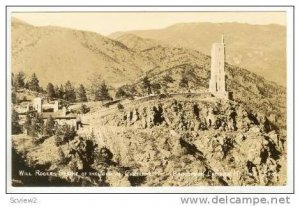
{"type": "Point", "coordinates": [251, 90]}
{"type": "Point", "coordinates": [176, 140]}
{"type": "Point", "coordinates": [196, 140]}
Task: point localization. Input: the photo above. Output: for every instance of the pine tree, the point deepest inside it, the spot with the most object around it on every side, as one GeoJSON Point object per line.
{"type": "Point", "coordinates": [120, 93]}
{"type": "Point", "coordinates": [65, 133]}
{"type": "Point", "coordinates": [85, 149]}
{"type": "Point", "coordinates": [37, 125]}
{"type": "Point", "coordinates": [69, 92]}
{"type": "Point", "coordinates": [82, 94]}
{"type": "Point", "coordinates": [49, 128]}
{"type": "Point", "coordinates": [14, 97]}
{"type": "Point", "coordinates": [15, 126]}
{"type": "Point", "coordinates": [95, 83]}
{"type": "Point", "coordinates": [50, 91]}
{"type": "Point", "coordinates": [61, 92]}
{"type": "Point", "coordinates": [147, 85]}
{"type": "Point", "coordinates": [33, 124]}
{"type": "Point", "coordinates": [34, 83]}
{"type": "Point", "coordinates": [62, 157]}
{"type": "Point", "coordinates": [56, 92]}
{"type": "Point", "coordinates": [26, 86]}
{"type": "Point", "coordinates": [103, 93]}
{"type": "Point", "coordinates": [27, 124]}
{"type": "Point", "coordinates": [19, 80]}
{"type": "Point", "coordinates": [105, 155]}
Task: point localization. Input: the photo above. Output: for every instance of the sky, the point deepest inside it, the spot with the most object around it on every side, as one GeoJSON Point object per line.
{"type": "Point", "coordinates": [109, 22]}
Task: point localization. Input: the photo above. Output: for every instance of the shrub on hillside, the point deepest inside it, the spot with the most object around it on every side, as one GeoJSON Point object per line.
{"type": "Point", "coordinates": [49, 128]}
{"type": "Point", "coordinates": [34, 125]}
{"type": "Point", "coordinates": [84, 109]}
{"type": "Point", "coordinates": [120, 106]}
{"type": "Point", "coordinates": [64, 134]}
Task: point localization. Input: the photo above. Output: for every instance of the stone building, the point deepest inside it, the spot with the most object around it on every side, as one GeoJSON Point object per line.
{"type": "Point", "coordinates": [46, 109]}
{"type": "Point", "coordinates": [217, 83]}
{"type": "Point", "coordinates": [40, 105]}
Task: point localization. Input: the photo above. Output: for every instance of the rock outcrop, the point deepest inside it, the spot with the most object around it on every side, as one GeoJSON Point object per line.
{"type": "Point", "coordinates": [211, 142]}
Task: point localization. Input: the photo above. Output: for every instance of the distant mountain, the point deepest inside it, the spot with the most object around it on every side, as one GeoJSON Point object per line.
{"type": "Point", "coordinates": [137, 43]}
{"type": "Point", "coordinates": [259, 48]}
{"type": "Point", "coordinates": [58, 54]}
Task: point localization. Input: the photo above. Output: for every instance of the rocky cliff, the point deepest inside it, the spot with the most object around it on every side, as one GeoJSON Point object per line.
{"type": "Point", "coordinates": [195, 141]}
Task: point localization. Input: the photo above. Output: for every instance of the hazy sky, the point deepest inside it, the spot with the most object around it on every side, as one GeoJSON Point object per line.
{"type": "Point", "coordinates": [109, 22]}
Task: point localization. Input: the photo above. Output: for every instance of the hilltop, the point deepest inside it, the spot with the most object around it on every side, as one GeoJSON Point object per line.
{"type": "Point", "coordinates": [248, 88]}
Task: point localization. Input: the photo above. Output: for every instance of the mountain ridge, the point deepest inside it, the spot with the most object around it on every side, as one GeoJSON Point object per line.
{"type": "Point", "coordinates": [258, 48]}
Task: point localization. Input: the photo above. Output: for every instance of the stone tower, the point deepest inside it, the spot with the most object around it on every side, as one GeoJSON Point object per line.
{"type": "Point", "coordinates": [217, 83]}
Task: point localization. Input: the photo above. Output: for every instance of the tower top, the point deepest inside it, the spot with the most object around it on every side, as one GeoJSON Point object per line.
{"type": "Point", "coordinates": [222, 38]}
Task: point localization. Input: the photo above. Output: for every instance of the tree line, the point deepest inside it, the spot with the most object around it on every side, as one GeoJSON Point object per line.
{"type": "Point", "coordinates": [99, 89]}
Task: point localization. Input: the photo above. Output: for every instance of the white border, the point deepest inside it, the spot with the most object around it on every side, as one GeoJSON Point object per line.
{"type": "Point", "coordinates": [199, 189]}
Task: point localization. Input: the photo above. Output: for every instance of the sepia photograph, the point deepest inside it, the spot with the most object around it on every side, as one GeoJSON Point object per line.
{"type": "Point", "coordinates": [148, 99]}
